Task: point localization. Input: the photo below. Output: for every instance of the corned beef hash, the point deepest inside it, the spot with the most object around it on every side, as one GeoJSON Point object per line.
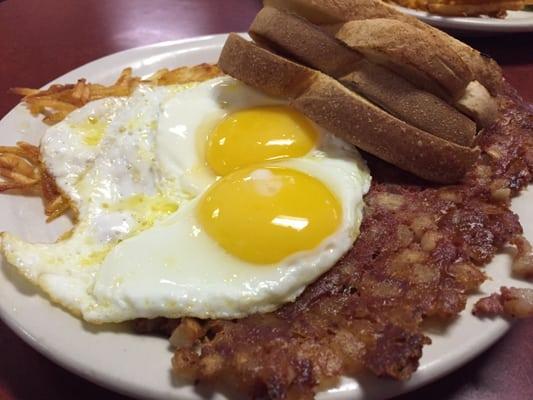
{"type": "Point", "coordinates": [295, 212]}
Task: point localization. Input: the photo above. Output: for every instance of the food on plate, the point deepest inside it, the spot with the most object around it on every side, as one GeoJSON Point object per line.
{"type": "Point", "coordinates": [21, 169]}
{"type": "Point", "coordinates": [381, 40]}
{"type": "Point", "coordinates": [330, 15]}
{"type": "Point", "coordinates": [58, 101]}
{"type": "Point", "coordinates": [511, 302]}
{"type": "Point", "coordinates": [420, 247]}
{"type": "Point", "coordinates": [232, 212]}
{"type": "Point", "coordinates": [308, 44]}
{"type": "Point", "coordinates": [19, 166]}
{"type": "Point", "coordinates": [175, 219]}
{"type": "Point", "coordinates": [346, 114]}
{"type": "Point", "coordinates": [466, 8]}
{"type": "Point", "coordinates": [428, 63]}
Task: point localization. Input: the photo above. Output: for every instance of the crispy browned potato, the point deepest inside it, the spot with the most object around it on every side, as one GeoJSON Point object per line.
{"type": "Point", "coordinates": [56, 102]}
{"type": "Point", "coordinates": [182, 75]}
{"type": "Point", "coordinates": [19, 166]}
{"type": "Point", "coordinates": [21, 169]}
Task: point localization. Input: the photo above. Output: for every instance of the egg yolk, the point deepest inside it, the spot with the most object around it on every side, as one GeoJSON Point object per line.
{"type": "Point", "coordinates": [265, 213]}
{"type": "Point", "coordinates": [256, 135]}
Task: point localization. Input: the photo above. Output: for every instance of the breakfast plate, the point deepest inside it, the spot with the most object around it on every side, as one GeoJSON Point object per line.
{"type": "Point", "coordinates": [515, 21]}
{"type": "Point", "coordinates": [139, 366]}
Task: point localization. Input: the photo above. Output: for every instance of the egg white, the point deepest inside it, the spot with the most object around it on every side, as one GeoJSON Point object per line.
{"type": "Point", "coordinates": [185, 123]}
{"type": "Point", "coordinates": [131, 254]}
{"type": "Point", "coordinates": [176, 269]}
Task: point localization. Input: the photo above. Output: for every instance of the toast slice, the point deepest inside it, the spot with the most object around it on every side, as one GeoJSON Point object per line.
{"type": "Point", "coordinates": [306, 43]}
{"type": "Point", "coordinates": [475, 100]}
{"type": "Point", "coordinates": [437, 69]}
{"type": "Point", "coordinates": [345, 113]}
{"type": "Point", "coordinates": [334, 13]}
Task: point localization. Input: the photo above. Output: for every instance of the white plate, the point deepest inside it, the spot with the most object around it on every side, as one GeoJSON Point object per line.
{"type": "Point", "coordinates": [140, 365]}
{"type": "Point", "coordinates": [516, 21]}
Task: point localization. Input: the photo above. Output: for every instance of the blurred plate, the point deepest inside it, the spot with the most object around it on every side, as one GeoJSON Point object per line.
{"type": "Point", "coordinates": [516, 21]}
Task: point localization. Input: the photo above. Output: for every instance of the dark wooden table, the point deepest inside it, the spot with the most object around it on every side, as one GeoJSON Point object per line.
{"type": "Point", "coordinates": [40, 40]}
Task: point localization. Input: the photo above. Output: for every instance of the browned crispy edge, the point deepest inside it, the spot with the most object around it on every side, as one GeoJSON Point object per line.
{"type": "Point", "coordinates": [438, 69]}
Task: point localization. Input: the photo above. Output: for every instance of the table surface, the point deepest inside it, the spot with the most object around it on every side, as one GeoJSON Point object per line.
{"type": "Point", "coordinates": [40, 40]}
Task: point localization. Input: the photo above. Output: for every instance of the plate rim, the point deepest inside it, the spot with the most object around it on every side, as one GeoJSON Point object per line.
{"type": "Point", "coordinates": [488, 25]}
{"type": "Point", "coordinates": [75, 366]}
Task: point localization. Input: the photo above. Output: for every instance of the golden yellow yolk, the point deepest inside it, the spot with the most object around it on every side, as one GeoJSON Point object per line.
{"type": "Point", "coordinates": [265, 213]}
{"type": "Point", "coordinates": [256, 135]}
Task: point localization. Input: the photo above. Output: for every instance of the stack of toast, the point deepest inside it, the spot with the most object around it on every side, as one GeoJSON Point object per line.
{"type": "Point", "coordinates": [381, 80]}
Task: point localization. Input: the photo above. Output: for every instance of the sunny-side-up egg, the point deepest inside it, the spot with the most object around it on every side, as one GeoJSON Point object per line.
{"type": "Point", "coordinates": [208, 200]}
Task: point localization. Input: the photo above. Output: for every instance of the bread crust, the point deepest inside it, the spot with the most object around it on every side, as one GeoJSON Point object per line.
{"type": "Point", "coordinates": [297, 38]}
{"type": "Point", "coordinates": [330, 12]}
{"type": "Point", "coordinates": [433, 68]}
{"type": "Point", "coordinates": [346, 114]}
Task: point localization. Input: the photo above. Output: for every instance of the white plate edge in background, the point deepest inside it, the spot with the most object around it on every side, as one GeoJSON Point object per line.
{"type": "Point", "coordinates": [516, 21]}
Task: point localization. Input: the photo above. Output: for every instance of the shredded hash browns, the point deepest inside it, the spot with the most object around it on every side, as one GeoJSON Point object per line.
{"type": "Point", "coordinates": [21, 169]}
{"type": "Point", "coordinates": [56, 102]}
{"type": "Point", "coordinates": [20, 165]}
{"type": "Point", "coordinates": [419, 255]}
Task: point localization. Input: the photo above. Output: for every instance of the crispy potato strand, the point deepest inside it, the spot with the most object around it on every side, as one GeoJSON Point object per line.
{"type": "Point", "coordinates": [20, 168]}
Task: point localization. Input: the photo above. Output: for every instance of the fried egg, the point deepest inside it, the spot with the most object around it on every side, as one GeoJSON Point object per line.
{"type": "Point", "coordinates": [207, 200]}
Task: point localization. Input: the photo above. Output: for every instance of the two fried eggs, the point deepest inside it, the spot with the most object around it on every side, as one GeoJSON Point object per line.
{"type": "Point", "coordinates": [207, 200]}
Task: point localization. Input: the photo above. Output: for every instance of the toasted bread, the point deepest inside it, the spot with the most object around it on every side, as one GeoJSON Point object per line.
{"type": "Point", "coordinates": [345, 113]}
{"type": "Point", "coordinates": [474, 103]}
{"type": "Point", "coordinates": [336, 12]}
{"type": "Point", "coordinates": [306, 43]}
